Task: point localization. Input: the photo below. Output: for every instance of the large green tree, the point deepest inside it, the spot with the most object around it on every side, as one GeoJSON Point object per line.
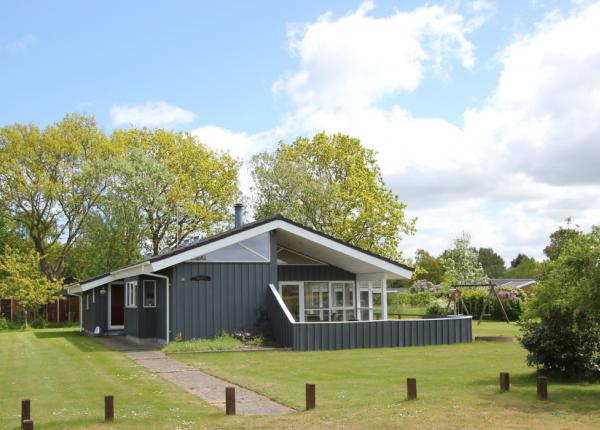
{"type": "Point", "coordinates": [523, 267]}
{"type": "Point", "coordinates": [333, 184]}
{"type": "Point", "coordinates": [428, 267]}
{"type": "Point", "coordinates": [21, 280]}
{"type": "Point", "coordinates": [51, 180]}
{"type": "Point", "coordinates": [558, 240]}
{"type": "Point", "coordinates": [461, 263]}
{"type": "Point", "coordinates": [492, 263]}
{"type": "Point", "coordinates": [180, 186]}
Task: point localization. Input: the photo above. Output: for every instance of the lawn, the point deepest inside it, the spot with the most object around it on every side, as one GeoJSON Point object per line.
{"type": "Point", "coordinates": [67, 375]}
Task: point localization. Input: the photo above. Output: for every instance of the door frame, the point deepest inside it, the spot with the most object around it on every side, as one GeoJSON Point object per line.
{"type": "Point", "coordinates": [110, 326]}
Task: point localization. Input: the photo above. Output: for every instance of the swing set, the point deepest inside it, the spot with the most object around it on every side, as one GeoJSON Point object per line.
{"type": "Point", "coordinates": [455, 297]}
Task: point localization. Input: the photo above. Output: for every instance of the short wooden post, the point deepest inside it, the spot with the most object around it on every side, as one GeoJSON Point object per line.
{"type": "Point", "coordinates": [542, 388]}
{"type": "Point", "coordinates": [25, 410]}
{"type": "Point", "coordinates": [311, 396]}
{"type": "Point", "coordinates": [504, 381]}
{"type": "Point", "coordinates": [230, 400]}
{"type": "Point", "coordinates": [109, 408]}
{"type": "Point", "coordinates": [411, 389]}
{"type": "Point", "coordinates": [27, 425]}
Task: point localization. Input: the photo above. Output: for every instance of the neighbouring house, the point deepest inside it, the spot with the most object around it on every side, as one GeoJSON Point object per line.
{"type": "Point", "coordinates": [526, 285]}
{"type": "Point", "coordinates": [305, 289]}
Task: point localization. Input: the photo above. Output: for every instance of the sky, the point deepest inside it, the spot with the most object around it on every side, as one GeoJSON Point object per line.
{"type": "Point", "coordinates": [485, 115]}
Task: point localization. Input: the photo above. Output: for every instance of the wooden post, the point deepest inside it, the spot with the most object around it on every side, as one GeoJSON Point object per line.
{"type": "Point", "coordinates": [25, 410]}
{"type": "Point", "coordinates": [109, 408]}
{"type": "Point", "coordinates": [542, 388]}
{"type": "Point", "coordinates": [27, 425]}
{"type": "Point", "coordinates": [230, 400]}
{"type": "Point", "coordinates": [411, 389]}
{"type": "Point", "coordinates": [311, 396]}
{"type": "Point", "coordinates": [504, 381]}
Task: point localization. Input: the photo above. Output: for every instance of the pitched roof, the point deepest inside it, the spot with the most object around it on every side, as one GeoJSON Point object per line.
{"type": "Point", "coordinates": [159, 260]}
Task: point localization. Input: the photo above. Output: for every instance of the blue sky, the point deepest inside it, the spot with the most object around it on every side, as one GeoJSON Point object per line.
{"type": "Point", "coordinates": [227, 72]}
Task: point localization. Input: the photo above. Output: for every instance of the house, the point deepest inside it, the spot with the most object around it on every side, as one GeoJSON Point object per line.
{"type": "Point", "coordinates": [304, 288]}
{"type": "Point", "coordinates": [526, 285]}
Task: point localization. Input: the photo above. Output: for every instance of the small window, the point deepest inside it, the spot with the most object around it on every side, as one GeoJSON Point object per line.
{"type": "Point", "coordinates": [87, 302]}
{"type": "Point", "coordinates": [94, 296]}
{"type": "Point", "coordinates": [130, 294]}
{"type": "Point", "coordinates": [149, 294]}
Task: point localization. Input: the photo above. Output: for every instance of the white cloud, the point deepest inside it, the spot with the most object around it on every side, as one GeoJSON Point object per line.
{"type": "Point", "coordinates": [358, 58]}
{"type": "Point", "coordinates": [150, 114]}
{"type": "Point", "coordinates": [516, 168]}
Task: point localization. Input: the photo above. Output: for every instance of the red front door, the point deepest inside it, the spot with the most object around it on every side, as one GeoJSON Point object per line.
{"type": "Point", "coordinates": [117, 299]}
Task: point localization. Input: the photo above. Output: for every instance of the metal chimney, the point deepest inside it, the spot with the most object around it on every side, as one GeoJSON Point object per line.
{"type": "Point", "coordinates": [239, 208]}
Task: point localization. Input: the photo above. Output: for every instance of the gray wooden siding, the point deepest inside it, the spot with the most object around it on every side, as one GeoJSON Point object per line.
{"type": "Point", "coordinates": [234, 299]}
{"type": "Point", "coordinates": [313, 273]}
{"type": "Point", "coordinates": [144, 322]}
{"type": "Point", "coordinates": [366, 334]}
{"type": "Point", "coordinates": [97, 314]}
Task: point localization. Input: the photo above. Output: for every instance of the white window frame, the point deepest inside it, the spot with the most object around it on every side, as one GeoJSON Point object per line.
{"type": "Point", "coordinates": [331, 308]}
{"type": "Point", "coordinates": [148, 281]}
{"type": "Point", "coordinates": [131, 295]}
{"type": "Point", "coordinates": [373, 287]}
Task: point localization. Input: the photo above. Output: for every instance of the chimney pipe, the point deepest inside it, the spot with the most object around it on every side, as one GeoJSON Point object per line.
{"type": "Point", "coordinates": [239, 208]}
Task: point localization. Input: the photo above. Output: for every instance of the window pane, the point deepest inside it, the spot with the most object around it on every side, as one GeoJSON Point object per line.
{"type": "Point", "coordinates": [364, 314]}
{"type": "Point", "coordinates": [291, 297]}
{"type": "Point", "coordinates": [364, 298]}
{"type": "Point", "coordinates": [350, 315]}
{"type": "Point", "coordinates": [149, 294]}
{"type": "Point", "coordinates": [349, 295]}
{"type": "Point", "coordinates": [316, 295]}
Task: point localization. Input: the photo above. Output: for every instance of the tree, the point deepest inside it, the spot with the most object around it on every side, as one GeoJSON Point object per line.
{"type": "Point", "coordinates": [23, 281]}
{"type": "Point", "coordinates": [462, 262]}
{"type": "Point", "coordinates": [112, 238]}
{"type": "Point", "coordinates": [180, 186]}
{"type": "Point", "coordinates": [492, 263]}
{"type": "Point", "coordinates": [50, 180]}
{"type": "Point", "coordinates": [562, 319]}
{"type": "Point", "coordinates": [333, 184]}
{"type": "Point", "coordinates": [558, 239]}
{"type": "Point", "coordinates": [428, 267]}
{"type": "Point", "coordinates": [523, 267]}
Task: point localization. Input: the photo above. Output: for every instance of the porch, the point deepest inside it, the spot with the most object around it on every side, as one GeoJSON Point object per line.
{"type": "Point", "coordinates": [334, 335]}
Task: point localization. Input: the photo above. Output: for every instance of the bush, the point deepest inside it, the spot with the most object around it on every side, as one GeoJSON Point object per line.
{"type": "Point", "coordinates": [438, 307]}
{"type": "Point", "coordinates": [39, 323]}
{"type": "Point", "coordinates": [564, 342]}
{"type": "Point", "coordinates": [512, 300]}
{"type": "Point", "coordinates": [425, 286]}
{"type": "Point", "coordinates": [4, 325]}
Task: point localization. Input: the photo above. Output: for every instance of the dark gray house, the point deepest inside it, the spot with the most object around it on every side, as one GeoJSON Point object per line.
{"type": "Point", "coordinates": [304, 288]}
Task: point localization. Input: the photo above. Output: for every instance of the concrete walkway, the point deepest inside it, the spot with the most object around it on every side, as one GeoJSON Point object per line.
{"type": "Point", "coordinates": [192, 380]}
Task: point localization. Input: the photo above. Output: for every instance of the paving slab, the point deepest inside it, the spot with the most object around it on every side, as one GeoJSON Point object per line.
{"type": "Point", "coordinates": [194, 381]}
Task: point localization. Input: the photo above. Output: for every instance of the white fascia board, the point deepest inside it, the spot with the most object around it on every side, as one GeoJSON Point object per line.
{"type": "Point", "coordinates": [96, 283]}
{"type": "Point", "coordinates": [337, 246]}
{"type": "Point", "coordinates": [213, 246]}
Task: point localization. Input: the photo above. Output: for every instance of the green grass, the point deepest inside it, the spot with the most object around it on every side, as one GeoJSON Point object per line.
{"type": "Point", "coordinates": [223, 342]}
{"type": "Point", "coordinates": [67, 375]}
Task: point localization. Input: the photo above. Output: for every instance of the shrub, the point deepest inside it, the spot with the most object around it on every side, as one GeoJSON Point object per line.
{"type": "Point", "coordinates": [4, 325]}
{"type": "Point", "coordinates": [39, 323]}
{"type": "Point", "coordinates": [425, 286]}
{"type": "Point", "coordinates": [437, 307]}
{"type": "Point", "coordinates": [564, 342]}
{"type": "Point", "coordinates": [512, 300]}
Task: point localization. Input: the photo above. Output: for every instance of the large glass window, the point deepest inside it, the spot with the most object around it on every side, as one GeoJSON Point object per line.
{"type": "Point", "coordinates": [343, 308]}
{"type": "Point", "coordinates": [316, 301]}
{"type": "Point", "coordinates": [253, 250]}
{"type": "Point", "coordinates": [370, 304]}
{"type": "Point", "coordinates": [290, 293]}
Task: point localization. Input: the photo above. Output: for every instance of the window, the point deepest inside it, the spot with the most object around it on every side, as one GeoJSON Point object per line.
{"type": "Point", "coordinates": [94, 296]}
{"type": "Point", "coordinates": [130, 294]}
{"type": "Point", "coordinates": [370, 301]}
{"type": "Point", "coordinates": [343, 303]}
{"type": "Point", "coordinates": [149, 294]}
{"type": "Point", "coordinates": [87, 302]}
{"type": "Point", "coordinates": [316, 301]}
{"type": "Point", "coordinates": [253, 250]}
{"type": "Point", "coordinates": [292, 258]}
